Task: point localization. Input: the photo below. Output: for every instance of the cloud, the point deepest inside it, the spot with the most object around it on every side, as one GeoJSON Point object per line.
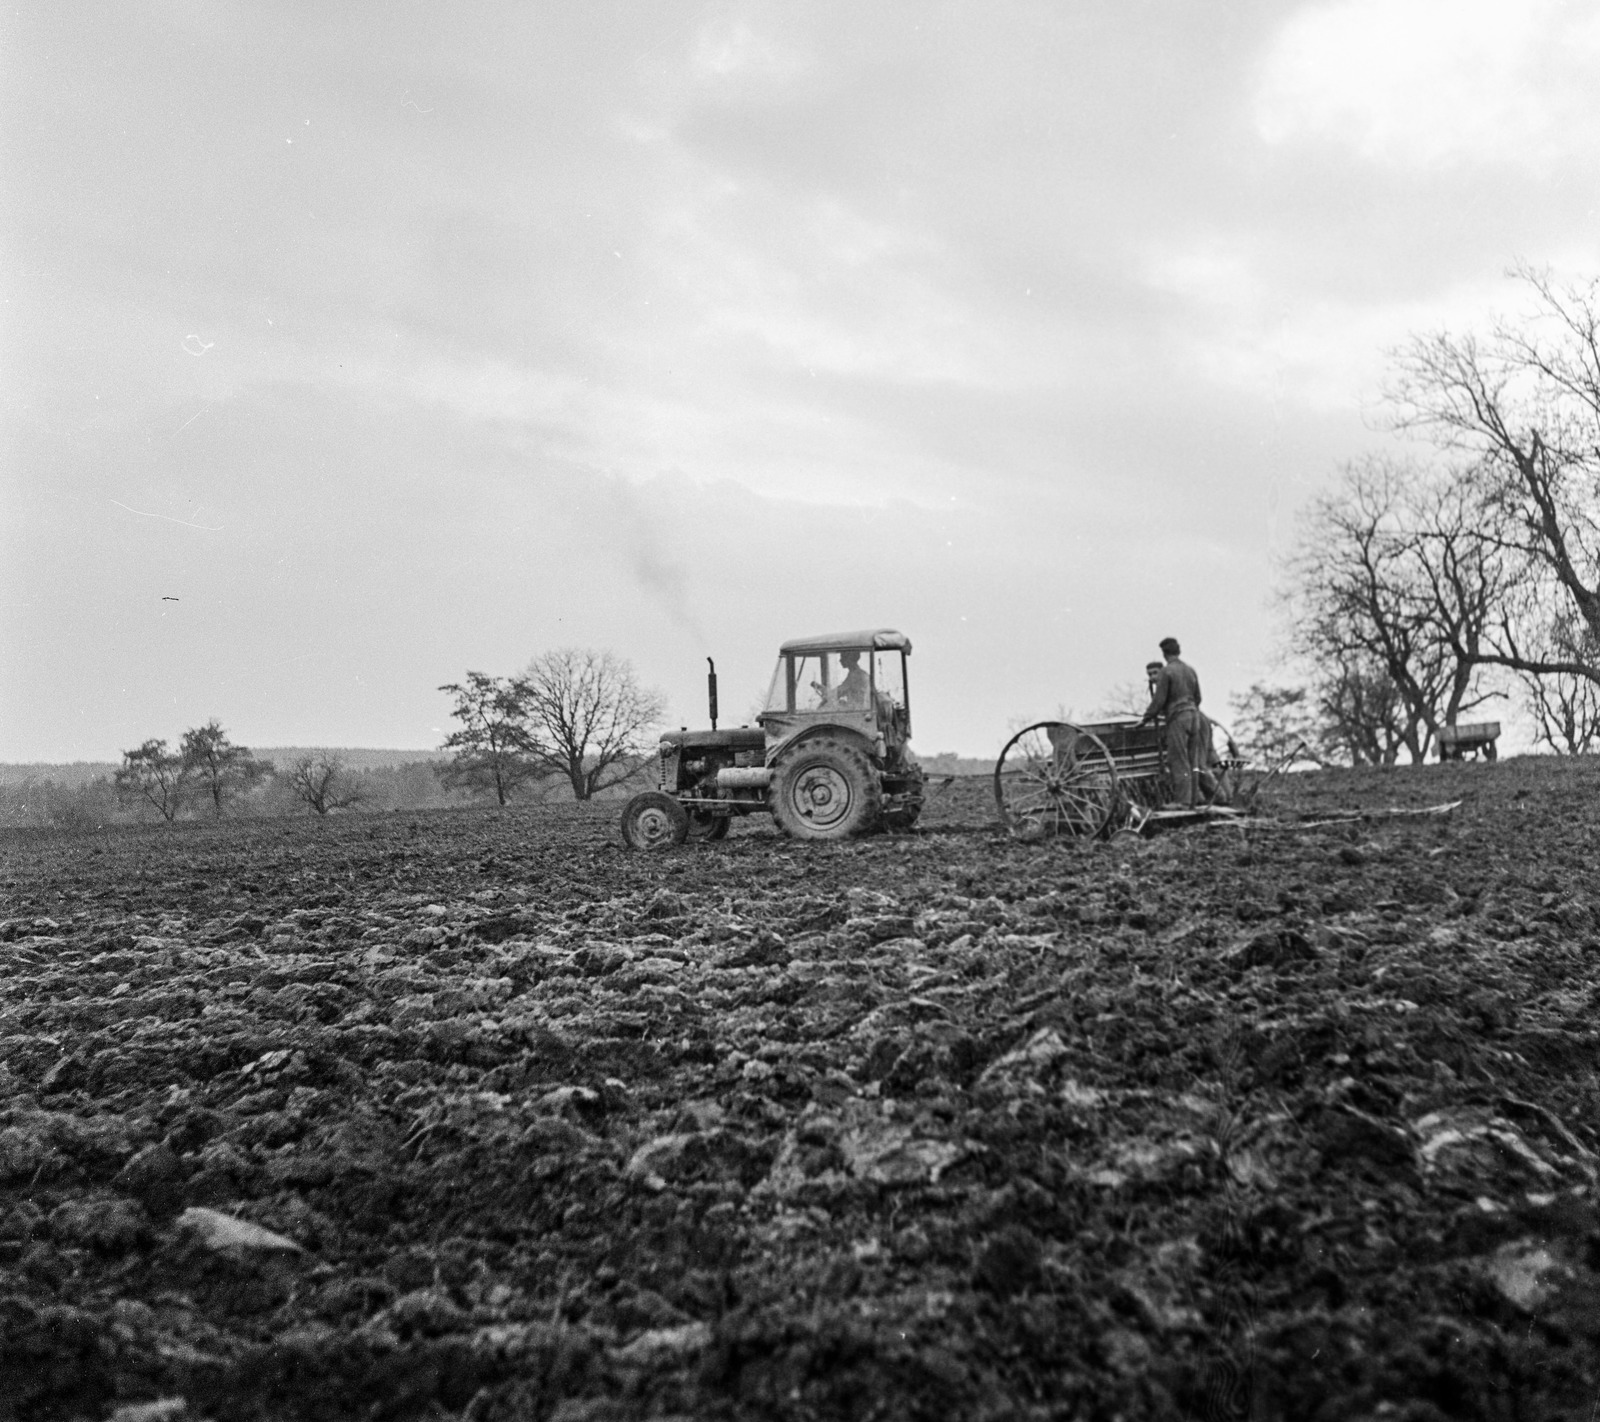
{"type": "Point", "coordinates": [724, 53]}
{"type": "Point", "coordinates": [1424, 82]}
{"type": "Point", "coordinates": [485, 389]}
{"type": "Point", "coordinates": [1241, 325]}
{"type": "Point", "coordinates": [821, 287]}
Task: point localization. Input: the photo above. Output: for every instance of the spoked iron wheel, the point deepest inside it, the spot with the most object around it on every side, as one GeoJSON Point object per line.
{"type": "Point", "coordinates": [1054, 778]}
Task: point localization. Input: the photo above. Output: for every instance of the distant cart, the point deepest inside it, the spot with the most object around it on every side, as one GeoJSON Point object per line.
{"type": "Point", "coordinates": [1060, 778]}
{"type": "Point", "coordinates": [1476, 738]}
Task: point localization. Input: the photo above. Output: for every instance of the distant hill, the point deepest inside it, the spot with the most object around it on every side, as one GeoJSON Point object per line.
{"type": "Point", "coordinates": [82, 772]}
{"type": "Point", "coordinates": [949, 763]}
{"type": "Point", "coordinates": [355, 757]}
{"type": "Point", "coordinates": [74, 773]}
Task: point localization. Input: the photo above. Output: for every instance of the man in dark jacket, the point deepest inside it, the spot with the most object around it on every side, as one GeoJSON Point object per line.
{"type": "Point", "coordinates": [1175, 695]}
{"type": "Point", "coordinates": [854, 689]}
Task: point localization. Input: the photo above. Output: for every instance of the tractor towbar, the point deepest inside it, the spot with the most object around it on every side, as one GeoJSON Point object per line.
{"type": "Point", "coordinates": [741, 777]}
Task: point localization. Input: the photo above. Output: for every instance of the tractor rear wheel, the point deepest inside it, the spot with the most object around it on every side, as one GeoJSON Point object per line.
{"type": "Point", "coordinates": [826, 789]}
{"type": "Point", "coordinates": [654, 820]}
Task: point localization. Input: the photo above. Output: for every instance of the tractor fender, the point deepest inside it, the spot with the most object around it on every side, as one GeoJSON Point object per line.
{"type": "Point", "coordinates": [869, 747]}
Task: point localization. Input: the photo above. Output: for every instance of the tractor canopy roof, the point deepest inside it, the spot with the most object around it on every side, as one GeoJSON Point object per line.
{"type": "Point", "coordinates": [877, 639]}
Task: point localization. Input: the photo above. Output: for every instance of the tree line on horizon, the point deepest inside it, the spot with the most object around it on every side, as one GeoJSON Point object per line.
{"type": "Point", "coordinates": [1418, 590]}
{"type": "Point", "coordinates": [42, 799]}
{"type": "Point", "coordinates": [576, 717]}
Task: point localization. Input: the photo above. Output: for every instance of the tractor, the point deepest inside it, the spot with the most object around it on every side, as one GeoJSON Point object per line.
{"type": "Point", "coordinates": [828, 756]}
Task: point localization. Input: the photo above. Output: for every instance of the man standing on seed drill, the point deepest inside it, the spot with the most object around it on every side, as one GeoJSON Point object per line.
{"type": "Point", "coordinates": [1175, 695]}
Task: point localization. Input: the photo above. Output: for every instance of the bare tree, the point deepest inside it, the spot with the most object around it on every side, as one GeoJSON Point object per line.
{"type": "Point", "coordinates": [494, 749]}
{"type": "Point", "coordinates": [1565, 707]}
{"type": "Point", "coordinates": [1523, 403]}
{"type": "Point", "coordinates": [1390, 590]}
{"type": "Point", "coordinates": [1272, 724]}
{"type": "Point", "coordinates": [1565, 710]}
{"type": "Point", "coordinates": [221, 768]}
{"type": "Point", "coordinates": [590, 716]}
{"type": "Point", "coordinates": [155, 776]}
{"type": "Point", "coordinates": [1363, 717]}
{"type": "Point", "coordinates": [1124, 700]}
{"type": "Point", "coordinates": [321, 780]}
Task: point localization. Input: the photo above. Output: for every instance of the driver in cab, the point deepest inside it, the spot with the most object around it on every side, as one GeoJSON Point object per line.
{"type": "Point", "coordinates": [854, 690]}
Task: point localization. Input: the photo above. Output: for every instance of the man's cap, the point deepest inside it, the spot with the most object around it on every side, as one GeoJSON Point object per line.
{"type": "Point", "coordinates": [1152, 666]}
{"type": "Point", "coordinates": [849, 656]}
{"type": "Point", "coordinates": [1170, 646]}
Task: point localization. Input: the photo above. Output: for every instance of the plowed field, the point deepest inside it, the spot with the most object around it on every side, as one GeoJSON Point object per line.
{"type": "Point", "coordinates": [478, 1114]}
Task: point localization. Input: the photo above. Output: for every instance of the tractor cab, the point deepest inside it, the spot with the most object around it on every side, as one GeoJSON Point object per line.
{"type": "Point", "coordinates": [851, 681]}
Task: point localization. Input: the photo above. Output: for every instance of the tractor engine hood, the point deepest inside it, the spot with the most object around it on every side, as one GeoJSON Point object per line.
{"type": "Point", "coordinates": [737, 738]}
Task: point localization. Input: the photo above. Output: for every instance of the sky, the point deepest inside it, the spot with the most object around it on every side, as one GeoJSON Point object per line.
{"type": "Point", "coordinates": [346, 348]}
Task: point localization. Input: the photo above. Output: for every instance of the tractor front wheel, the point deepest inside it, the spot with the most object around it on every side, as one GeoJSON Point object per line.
{"type": "Point", "coordinates": [826, 789]}
{"type": "Point", "coordinates": [654, 820]}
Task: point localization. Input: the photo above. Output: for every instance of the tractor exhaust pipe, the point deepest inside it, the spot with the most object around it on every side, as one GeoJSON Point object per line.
{"type": "Point", "coordinates": [744, 777]}
{"type": "Point", "coordinates": [711, 690]}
